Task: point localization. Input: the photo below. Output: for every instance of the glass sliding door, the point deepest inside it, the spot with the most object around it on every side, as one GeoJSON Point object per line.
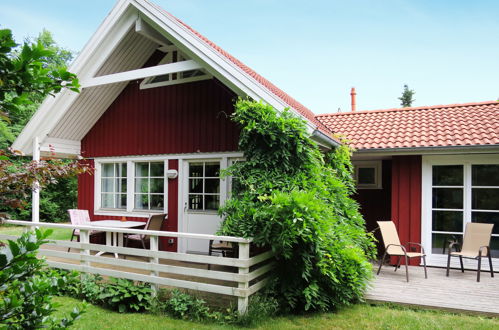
{"type": "Point", "coordinates": [457, 190]}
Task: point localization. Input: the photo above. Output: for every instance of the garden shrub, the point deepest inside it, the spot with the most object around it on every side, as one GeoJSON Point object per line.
{"type": "Point", "coordinates": [126, 296]}
{"type": "Point", "coordinates": [25, 290]}
{"type": "Point", "coordinates": [296, 201]}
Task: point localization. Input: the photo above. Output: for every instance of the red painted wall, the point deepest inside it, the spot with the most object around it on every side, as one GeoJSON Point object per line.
{"type": "Point", "coordinates": [183, 118]}
{"type": "Point", "coordinates": [406, 199]}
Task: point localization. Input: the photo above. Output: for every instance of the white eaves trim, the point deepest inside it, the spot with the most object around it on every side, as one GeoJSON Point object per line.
{"type": "Point", "coordinates": [60, 146]}
{"type": "Point", "coordinates": [141, 73]}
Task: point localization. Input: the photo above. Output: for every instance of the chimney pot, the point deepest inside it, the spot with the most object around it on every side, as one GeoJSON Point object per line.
{"type": "Point", "coordinates": [353, 95]}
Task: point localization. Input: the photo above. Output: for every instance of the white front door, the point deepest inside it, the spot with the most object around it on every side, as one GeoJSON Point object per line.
{"type": "Point", "coordinates": [203, 192]}
{"type": "Point", "coordinates": [457, 190]}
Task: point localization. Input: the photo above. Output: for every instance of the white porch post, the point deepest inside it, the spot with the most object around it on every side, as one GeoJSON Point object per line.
{"type": "Point", "coordinates": [35, 202]}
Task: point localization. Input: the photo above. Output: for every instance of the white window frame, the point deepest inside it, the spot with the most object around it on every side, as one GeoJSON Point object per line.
{"type": "Point", "coordinates": [426, 201]}
{"type": "Point", "coordinates": [376, 165]}
{"type": "Point", "coordinates": [203, 193]}
{"type": "Point", "coordinates": [131, 160]}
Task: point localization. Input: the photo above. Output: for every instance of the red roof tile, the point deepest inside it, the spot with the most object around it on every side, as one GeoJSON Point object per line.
{"type": "Point", "coordinates": [291, 102]}
{"type": "Point", "coordinates": [466, 124]}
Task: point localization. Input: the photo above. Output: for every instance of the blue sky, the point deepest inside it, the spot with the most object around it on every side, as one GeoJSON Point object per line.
{"type": "Point", "coordinates": [446, 50]}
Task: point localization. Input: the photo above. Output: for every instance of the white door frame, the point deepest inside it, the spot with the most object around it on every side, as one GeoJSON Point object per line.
{"type": "Point", "coordinates": [183, 184]}
{"type": "Point", "coordinates": [426, 203]}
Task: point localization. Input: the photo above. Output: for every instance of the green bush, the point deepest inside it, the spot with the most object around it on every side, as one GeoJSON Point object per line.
{"type": "Point", "coordinates": [25, 290]}
{"type": "Point", "coordinates": [292, 199]}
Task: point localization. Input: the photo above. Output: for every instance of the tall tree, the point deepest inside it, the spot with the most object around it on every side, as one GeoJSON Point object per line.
{"type": "Point", "coordinates": [407, 97]}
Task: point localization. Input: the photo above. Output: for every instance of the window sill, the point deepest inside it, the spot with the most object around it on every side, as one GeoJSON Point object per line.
{"type": "Point", "coordinates": [124, 213]}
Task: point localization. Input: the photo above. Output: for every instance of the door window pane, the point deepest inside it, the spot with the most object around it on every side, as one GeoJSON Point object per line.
{"type": "Point", "coordinates": [448, 221]}
{"type": "Point", "coordinates": [142, 169]}
{"type": "Point", "coordinates": [440, 242]}
{"type": "Point", "coordinates": [485, 198]}
{"type": "Point", "coordinates": [485, 175]}
{"type": "Point", "coordinates": [204, 186]}
{"type": "Point", "coordinates": [487, 217]}
{"type": "Point", "coordinates": [448, 198]}
{"type": "Point", "coordinates": [448, 175]}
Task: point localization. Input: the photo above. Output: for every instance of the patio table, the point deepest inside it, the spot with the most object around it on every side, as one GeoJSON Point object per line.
{"type": "Point", "coordinates": [112, 238]}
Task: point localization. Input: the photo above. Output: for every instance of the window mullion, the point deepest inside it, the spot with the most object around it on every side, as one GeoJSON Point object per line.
{"type": "Point", "coordinates": [130, 186]}
{"type": "Point", "coordinates": [467, 195]}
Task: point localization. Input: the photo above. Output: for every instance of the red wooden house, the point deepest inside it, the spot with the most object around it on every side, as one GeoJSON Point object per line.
{"type": "Point", "coordinates": [153, 119]}
{"type": "Point", "coordinates": [429, 169]}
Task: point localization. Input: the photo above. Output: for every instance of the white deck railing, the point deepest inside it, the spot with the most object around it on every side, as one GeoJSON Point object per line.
{"type": "Point", "coordinates": [241, 284]}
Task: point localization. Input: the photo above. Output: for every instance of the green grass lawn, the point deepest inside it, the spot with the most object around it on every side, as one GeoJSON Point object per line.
{"type": "Point", "coordinates": [362, 316]}
{"type": "Point", "coordinates": [57, 234]}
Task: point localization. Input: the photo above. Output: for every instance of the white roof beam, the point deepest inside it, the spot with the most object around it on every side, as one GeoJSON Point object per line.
{"type": "Point", "coordinates": [141, 73]}
{"type": "Point", "coordinates": [144, 29]}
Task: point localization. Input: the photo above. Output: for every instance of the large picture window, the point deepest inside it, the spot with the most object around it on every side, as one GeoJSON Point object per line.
{"type": "Point", "coordinates": [149, 186]}
{"type": "Point", "coordinates": [113, 186]}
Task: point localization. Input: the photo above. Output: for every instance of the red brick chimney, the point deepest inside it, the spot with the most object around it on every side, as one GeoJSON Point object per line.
{"type": "Point", "coordinates": [353, 94]}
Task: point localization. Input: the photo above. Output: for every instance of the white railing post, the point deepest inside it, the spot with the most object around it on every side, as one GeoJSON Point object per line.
{"type": "Point", "coordinates": [35, 199]}
{"type": "Point", "coordinates": [84, 239]}
{"type": "Point", "coordinates": [242, 302]}
{"type": "Point", "coordinates": [154, 246]}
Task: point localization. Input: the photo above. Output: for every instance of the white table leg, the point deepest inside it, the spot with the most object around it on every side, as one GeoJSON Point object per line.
{"type": "Point", "coordinates": [111, 240]}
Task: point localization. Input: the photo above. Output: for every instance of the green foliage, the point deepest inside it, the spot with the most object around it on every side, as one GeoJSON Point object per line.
{"type": "Point", "coordinates": [183, 306]}
{"type": "Point", "coordinates": [121, 295]}
{"type": "Point", "coordinates": [407, 97]}
{"type": "Point", "coordinates": [25, 290]}
{"type": "Point", "coordinates": [292, 200]}
{"type": "Point", "coordinates": [260, 308]}
{"type": "Point", "coordinates": [126, 296]}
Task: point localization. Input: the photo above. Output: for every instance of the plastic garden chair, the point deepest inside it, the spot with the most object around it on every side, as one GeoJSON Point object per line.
{"type": "Point", "coordinates": [79, 218]}
{"type": "Point", "coordinates": [155, 222]}
{"type": "Point", "coordinates": [394, 248]}
{"type": "Point", "coordinates": [476, 245]}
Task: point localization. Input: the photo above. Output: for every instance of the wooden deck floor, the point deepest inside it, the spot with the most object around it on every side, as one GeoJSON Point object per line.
{"type": "Point", "coordinates": [459, 292]}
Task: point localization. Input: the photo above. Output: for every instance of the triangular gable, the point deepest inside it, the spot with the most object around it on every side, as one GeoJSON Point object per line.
{"type": "Point", "coordinates": [129, 35]}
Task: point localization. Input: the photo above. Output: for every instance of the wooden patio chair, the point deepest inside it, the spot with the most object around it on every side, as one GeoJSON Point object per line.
{"type": "Point", "coordinates": [476, 245]}
{"type": "Point", "coordinates": [155, 222]}
{"type": "Point", "coordinates": [81, 218]}
{"type": "Point", "coordinates": [395, 249]}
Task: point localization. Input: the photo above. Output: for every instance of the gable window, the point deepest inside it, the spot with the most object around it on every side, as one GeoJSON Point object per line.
{"type": "Point", "coordinates": [149, 186]}
{"type": "Point", "coordinates": [173, 56]}
{"type": "Point", "coordinates": [367, 174]}
{"type": "Point", "coordinates": [113, 186]}
{"type": "Point", "coordinates": [204, 186]}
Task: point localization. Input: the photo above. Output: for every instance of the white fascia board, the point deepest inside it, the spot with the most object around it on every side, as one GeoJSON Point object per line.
{"type": "Point", "coordinates": [234, 76]}
{"type": "Point", "coordinates": [90, 59]}
{"type": "Point", "coordinates": [158, 70]}
{"type": "Point", "coordinates": [61, 146]}
{"type": "Point", "coordinates": [144, 29]}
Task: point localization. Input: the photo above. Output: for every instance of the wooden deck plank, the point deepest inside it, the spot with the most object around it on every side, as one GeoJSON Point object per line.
{"type": "Point", "coordinates": [458, 292]}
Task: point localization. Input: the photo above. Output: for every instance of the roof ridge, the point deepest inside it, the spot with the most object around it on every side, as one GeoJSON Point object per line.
{"type": "Point", "coordinates": [427, 107]}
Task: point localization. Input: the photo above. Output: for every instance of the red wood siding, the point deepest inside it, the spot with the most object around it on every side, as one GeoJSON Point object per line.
{"type": "Point", "coordinates": [183, 118]}
{"type": "Point", "coordinates": [406, 199]}
{"type": "Point", "coordinates": [375, 204]}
